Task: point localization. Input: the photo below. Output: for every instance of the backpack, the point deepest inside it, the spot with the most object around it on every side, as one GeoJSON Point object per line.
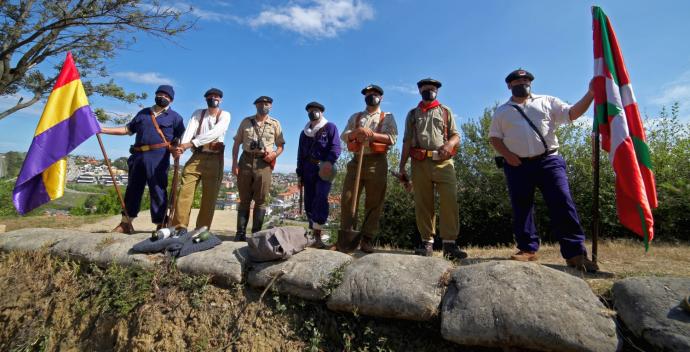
{"type": "Point", "coordinates": [278, 243]}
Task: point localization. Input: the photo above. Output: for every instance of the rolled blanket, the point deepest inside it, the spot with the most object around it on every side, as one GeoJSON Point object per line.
{"type": "Point", "coordinates": [150, 245]}
{"type": "Point", "coordinates": [190, 247]}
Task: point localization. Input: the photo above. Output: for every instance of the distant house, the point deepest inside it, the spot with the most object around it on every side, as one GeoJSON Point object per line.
{"type": "Point", "coordinates": [291, 194]}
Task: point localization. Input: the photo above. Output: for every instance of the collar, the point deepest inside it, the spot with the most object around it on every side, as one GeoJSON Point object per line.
{"type": "Point", "coordinates": [532, 97]}
{"type": "Point", "coordinates": [428, 106]}
{"type": "Point", "coordinates": [156, 114]}
{"type": "Point", "coordinates": [310, 132]}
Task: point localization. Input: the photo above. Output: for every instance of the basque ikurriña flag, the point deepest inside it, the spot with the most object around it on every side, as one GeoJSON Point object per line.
{"type": "Point", "coordinates": [66, 122]}
{"type": "Point", "coordinates": [617, 118]}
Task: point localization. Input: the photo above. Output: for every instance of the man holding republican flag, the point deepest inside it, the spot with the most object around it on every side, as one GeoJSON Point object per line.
{"type": "Point", "coordinates": [155, 128]}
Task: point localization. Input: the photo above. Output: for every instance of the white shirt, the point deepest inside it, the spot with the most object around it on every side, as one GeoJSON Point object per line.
{"type": "Point", "coordinates": [545, 112]}
{"type": "Point", "coordinates": [211, 131]}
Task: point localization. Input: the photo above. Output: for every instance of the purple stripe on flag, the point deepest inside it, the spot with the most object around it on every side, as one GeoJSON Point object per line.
{"type": "Point", "coordinates": [58, 141]}
{"type": "Point", "coordinates": [30, 195]}
{"type": "Point", "coordinates": [47, 148]}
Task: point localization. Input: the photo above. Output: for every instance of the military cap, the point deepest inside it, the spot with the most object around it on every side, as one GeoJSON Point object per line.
{"type": "Point", "coordinates": [214, 91]}
{"type": "Point", "coordinates": [429, 81]}
{"type": "Point", "coordinates": [315, 104]}
{"type": "Point", "coordinates": [372, 87]}
{"type": "Point", "coordinates": [517, 74]}
{"type": "Point", "coordinates": [263, 99]}
{"type": "Point", "coordinates": [167, 89]}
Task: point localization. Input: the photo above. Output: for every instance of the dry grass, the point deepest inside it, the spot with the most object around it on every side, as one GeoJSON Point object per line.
{"type": "Point", "coordinates": [54, 222]}
{"type": "Point", "coordinates": [617, 260]}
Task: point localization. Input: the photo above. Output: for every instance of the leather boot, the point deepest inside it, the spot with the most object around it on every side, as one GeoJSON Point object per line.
{"type": "Point", "coordinates": [258, 221]}
{"type": "Point", "coordinates": [318, 243]}
{"type": "Point", "coordinates": [242, 220]}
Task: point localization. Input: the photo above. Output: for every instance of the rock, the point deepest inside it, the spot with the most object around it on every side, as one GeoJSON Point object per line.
{"type": "Point", "coordinates": [307, 274]}
{"type": "Point", "coordinates": [3, 228]}
{"type": "Point", "coordinates": [392, 286]}
{"type": "Point", "coordinates": [33, 239]}
{"type": "Point", "coordinates": [650, 308]}
{"type": "Point", "coordinates": [226, 263]}
{"type": "Point", "coordinates": [116, 248]}
{"type": "Point", "coordinates": [518, 305]}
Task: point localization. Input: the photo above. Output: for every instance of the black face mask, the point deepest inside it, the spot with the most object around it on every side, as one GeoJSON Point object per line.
{"type": "Point", "coordinates": [429, 95]}
{"type": "Point", "coordinates": [162, 101]}
{"type": "Point", "coordinates": [521, 90]}
{"type": "Point", "coordinates": [314, 115]}
{"type": "Point", "coordinates": [372, 100]}
{"type": "Point", "coordinates": [212, 103]}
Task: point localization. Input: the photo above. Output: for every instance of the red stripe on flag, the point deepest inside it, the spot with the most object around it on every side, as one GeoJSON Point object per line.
{"type": "Point", "coordinates": [622, 73]}
{"type": "Point", "coordinates": [632, 115]}
{"type": "Point", "coordinates": [630, 191]}
{"type": "Point", "coordinates": [68, 73]}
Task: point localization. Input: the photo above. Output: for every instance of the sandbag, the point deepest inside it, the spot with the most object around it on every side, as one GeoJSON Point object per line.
{"type": "Point", "coordinates": [278, 243]}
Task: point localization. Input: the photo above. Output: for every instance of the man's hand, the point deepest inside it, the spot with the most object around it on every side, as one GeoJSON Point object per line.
{"type": "Point", "coordinates": [235, 169]}
{"type": "Point", "coordinates": [512, 159]}
{"type": "Point", "coordinates": [446, 150]}
{"type": "Point", "coordinates": [270, 156]}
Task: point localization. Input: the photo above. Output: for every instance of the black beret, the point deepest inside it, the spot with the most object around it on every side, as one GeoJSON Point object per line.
{"type": "Point", "coordinates": [372, 87]}
{"type": "Point", "coordinates": [167, 89]}
{"type": "Point", "coordinates": [430, 81]}
{"type": "Point", "coordinates": [519, 73]}
{"type": "Point", "coordinates": [263, 98]}
{"type": "Point", "coordinates": [314, 104]}
{"type": "Point", "coordinates": [214, 91]}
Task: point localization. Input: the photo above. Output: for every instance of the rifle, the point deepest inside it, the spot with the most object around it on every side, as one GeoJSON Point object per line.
{"type": "Point", "coordinates": [173, 191]}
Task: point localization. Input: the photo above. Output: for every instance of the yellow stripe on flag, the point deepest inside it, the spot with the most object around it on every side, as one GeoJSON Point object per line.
{"type": "Point", "coordinates": [62, 103]}
{"type": "Point", "coordinates": [55, 178]}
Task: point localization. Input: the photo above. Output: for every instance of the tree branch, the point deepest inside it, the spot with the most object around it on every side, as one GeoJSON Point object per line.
{"type": "Point", "coordinates": [20, 105]}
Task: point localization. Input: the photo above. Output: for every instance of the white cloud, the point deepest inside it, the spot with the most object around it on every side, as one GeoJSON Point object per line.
{"type": "Point", "coordinates": [406, 89]}
{"type": "Point", "coordinates": [144, 77]}
{"type": "Point", "coordinates": [316, 18]}
{"type": "Point", "coordinates": [674, 91]}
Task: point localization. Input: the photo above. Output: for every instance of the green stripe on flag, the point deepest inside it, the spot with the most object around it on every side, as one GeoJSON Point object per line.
{"type": "Point", "coordinates": [644, 228]}
{"type": "Point", "coordinates": [642, 152]}
{"type": "Point", "coordinates": [608, 54]}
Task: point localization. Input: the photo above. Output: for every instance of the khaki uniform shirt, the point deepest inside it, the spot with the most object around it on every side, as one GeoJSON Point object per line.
{"type": "Point", "coordinates": [270, 133]}
{"type": "Point", "coordinates": [545, 112]}
{"type": "Point", "coordinates": [429, 127]}
{"type": "Point", "coordinates": [388, 127]}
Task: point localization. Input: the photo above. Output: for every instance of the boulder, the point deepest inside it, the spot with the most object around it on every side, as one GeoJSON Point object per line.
{"type": "Point", "coordinates": [33, 239]}
{"type": "Point", "coordinates": [309, 274]}
{"type": "Point", "coordinates": [650, 308]}
{"type": "Point", "coordinates": [392, 286]}
{"type": "Point", "coordinates": [525, 306]}
{"type": "Point", "coordinates": [226, 263]}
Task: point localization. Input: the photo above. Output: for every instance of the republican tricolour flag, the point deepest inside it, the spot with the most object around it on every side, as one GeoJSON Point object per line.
{"type": "Point", "coordinates": [618, 120]}
{"type": "Point", "coordinates": [66, 122]}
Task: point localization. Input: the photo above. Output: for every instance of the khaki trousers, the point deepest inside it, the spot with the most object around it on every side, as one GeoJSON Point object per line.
{"type": "Point", "coordinates": [207, 169]}
{"type": "Point", "coordinates": [372, 181]}
{"type": "Point", "coordinates": [254, 182]}
{"type": "Point", "coordinates": [428, 177]}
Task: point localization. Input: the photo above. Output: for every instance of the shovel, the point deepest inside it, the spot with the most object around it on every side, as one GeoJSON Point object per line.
{"type": "Point", "coordinates": [348, 240]}
{"type": "Point", "coordinates": [173, 190]}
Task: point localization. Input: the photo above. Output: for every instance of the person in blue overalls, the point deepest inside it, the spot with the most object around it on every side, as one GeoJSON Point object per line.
{"type": "Point", "coordinates": [319, 148]}
{"type": "Point", "coordinates": [155, 128]}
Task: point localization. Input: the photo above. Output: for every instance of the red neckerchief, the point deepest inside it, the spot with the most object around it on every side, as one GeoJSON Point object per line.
{"type": "Point", "coordinates": [428, 106]}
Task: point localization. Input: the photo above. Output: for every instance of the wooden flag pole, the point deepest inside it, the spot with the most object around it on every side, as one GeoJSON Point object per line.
{"type": "Point", "coordinates": [595, 191]}
{"type": "Point", "coordinates": [112, 177]}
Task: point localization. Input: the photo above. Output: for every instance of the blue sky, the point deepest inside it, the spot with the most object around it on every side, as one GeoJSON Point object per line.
{"type": "Point", "coordinates": [328, 50]}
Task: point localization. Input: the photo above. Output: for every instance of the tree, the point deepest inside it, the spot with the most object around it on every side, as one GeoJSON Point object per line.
{"type": "Point", "coordinates": [94, 30]}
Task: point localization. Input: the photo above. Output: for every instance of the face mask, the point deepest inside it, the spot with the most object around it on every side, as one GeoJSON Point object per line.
{"type": "Point", "coordinates": [429, 95]}
{"type": "Point", "coordinates": [314, 115]}
{"type": "Point", "coordinates": [521, 90]}
{"type": "Point", "coordinates": [372, 100]}
{"type": "Point", "coordinates": [212, 103]}
{"type": "Point", "coordinates": [263, 110]}
{"type": "Point", "coordinates": [162, 101]}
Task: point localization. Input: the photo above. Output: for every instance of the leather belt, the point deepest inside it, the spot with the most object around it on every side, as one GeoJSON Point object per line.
{"type": "Point", "coordinates": [314, 161]}
{"type": "Point", "coordinates": [148, 147]}
{"type": "Point", "coordinates": [540, 156]}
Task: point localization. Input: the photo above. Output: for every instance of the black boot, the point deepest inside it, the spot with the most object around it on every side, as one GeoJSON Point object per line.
{"type": "Point", "coordinates": [258, 221]}
{"type": "Point", "coordinates": [242, 220]}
